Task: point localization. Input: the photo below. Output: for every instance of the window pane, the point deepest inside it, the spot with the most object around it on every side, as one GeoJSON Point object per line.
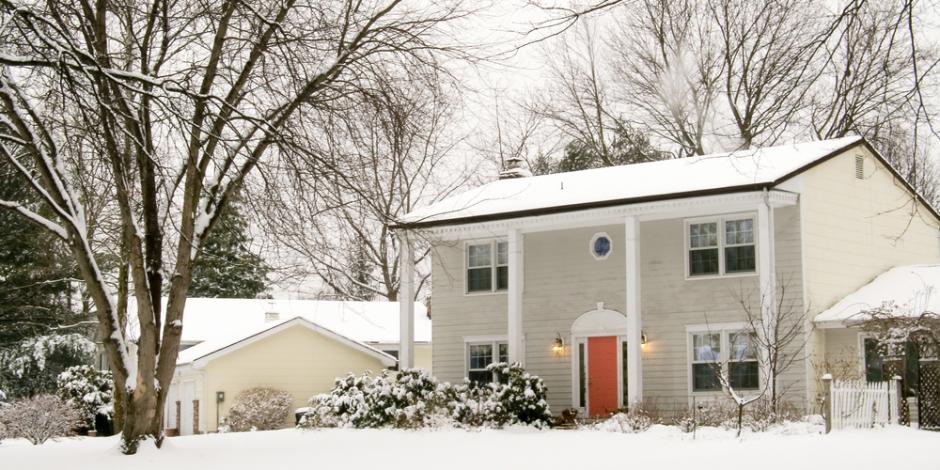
{"type": "Point", "coordinates": [744, 375]}
{"type": "Point", "coordinates": [479, 279]}
{"type": "Point", "coordinates": [739, 232]}
{"type": "Point", "coordinates": [706, 347]}
{"type": "Point", "coordinates": [740, 259]}
{"type": "Point", "coordinates": [479, 255]}
{"type": "Point", "coordinates": [601, 247]}
{"type": "Point", "coordinates": [502, 253]}
{"type": "Point", "coordinates": [703, 262]}
{"type": "Point", "coordinates": [873, 369]}
{"type": "Point", "coordinates": [742, 347]}
{"type": "Point", "coordinates": [502, 278]}
{"type": "Point", "coordinates": [479, 377]}
{"type": "Point", "coordinates": [582, 373]}
{"type": "Point", "coordinates": [703, 235]}
{"type": "Point", "coordinates": [503, 352]}
{"type": "Point", "coordinates": [704, 378]}
{"type": "Point", "coordinates": [623, 371]}
{"type": "Point", "coordinates": [481, 355]}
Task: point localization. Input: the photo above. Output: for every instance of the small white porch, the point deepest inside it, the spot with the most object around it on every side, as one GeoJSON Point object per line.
{"type": "Point", "coordinates": [631, 218]}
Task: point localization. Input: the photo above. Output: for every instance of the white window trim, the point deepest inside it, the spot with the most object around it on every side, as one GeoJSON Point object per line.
{"type": "Point", "coordinates": [493, 242]}
{"type": "Point", "coordinates": [594, 239]}
{"type": "Point", "coordinates": [720, 221]}
{"type": "Point", "coordinates": [724, 330]}
{"type": "Point", "coordinates": [494, 342]}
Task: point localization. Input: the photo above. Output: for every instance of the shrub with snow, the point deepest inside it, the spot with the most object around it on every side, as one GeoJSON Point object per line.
{"type": "Point", "coordinates": [32, 366]}
{"type": "Point", "coordinates": [412, 398]}
{"type": "Point", "coordinates": [259, 409]}
{"type": "Point", "coordinates": [39, 418]}
{"type": "Point", "coordinates": [520, 395]}
{"type": "Point", "coordinates": [635, 420]}
{"type": "Point", "coordinates": [89, 390]}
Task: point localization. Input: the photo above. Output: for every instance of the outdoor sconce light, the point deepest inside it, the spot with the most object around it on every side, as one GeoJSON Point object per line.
{"type": "Point", "coordinates": [558, 346]}
{"type": "Point", "coordinates": [643, 339]}
{"type": "Point", "coordinates": [219, 397]}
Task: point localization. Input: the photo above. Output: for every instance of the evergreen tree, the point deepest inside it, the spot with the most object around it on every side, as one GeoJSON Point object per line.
{"type": "Point", "coordinates": [36, 281]}
{"type": "Point", "coordinates": [359, 284]}
{"type": "Point", "coordinates": [628, 146]}
{"type": "Point", "coordinates": [226, 267]}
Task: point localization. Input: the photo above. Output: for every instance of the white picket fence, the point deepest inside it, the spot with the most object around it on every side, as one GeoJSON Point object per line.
{"type": "Point", "coordinates": [857, 404]}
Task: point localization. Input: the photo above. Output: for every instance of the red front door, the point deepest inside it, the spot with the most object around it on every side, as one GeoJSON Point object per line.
{"type": "Point", "coordinates": [602, 375]}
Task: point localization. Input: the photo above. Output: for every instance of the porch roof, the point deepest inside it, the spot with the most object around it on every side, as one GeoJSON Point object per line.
{"type": "Point", "coordinates": [909, 288]}
{"type": "Point", "coordinates": [743, 170]}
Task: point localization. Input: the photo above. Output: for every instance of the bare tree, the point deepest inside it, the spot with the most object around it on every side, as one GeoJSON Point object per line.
{"type": "Point", "coordinates": [388, 152]}
{"type": "Point", "coordinates": [778, 332]}
{"type": "Point", "coordinates": [670, 69]}
{"type": "Point", "coordinates": [182, 101]}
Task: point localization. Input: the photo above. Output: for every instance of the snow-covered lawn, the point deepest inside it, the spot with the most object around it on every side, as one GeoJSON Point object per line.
{"type": "Point", "coordinates": [658, 448]}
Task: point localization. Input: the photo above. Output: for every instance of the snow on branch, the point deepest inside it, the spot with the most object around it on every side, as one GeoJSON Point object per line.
{"type": "Point", "coordinates": [53, 227]}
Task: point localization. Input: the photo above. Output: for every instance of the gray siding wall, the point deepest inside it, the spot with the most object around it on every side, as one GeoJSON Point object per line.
{"type": "Point", "coordinates": [563, 281]}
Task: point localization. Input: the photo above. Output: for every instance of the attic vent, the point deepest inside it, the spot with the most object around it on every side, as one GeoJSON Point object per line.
{"type": "Point", "coordinates": [859, 167]}
{"type": "Point", "coordinates": [271, 316]}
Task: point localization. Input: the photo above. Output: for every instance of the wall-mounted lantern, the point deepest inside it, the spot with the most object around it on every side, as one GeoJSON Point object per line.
{"type": "Point", "coordinates": [558, 346]}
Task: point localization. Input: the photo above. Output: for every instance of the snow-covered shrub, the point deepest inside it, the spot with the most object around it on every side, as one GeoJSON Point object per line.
{"type": "Point", "coordinates": [713, 413]}
{"type": "Point", "coordinates": [89, 390]}
{"type": "Point", "coordinates": [476, 406]}
{"type": "Point", "coordinates": [259, 409]}
{"type": "Point", "coordinates": [32, 366]}
{"type": "Point", "coordinates": [521, 396]}
{"type": "Point", "coordinates": [344, 405]}
{"type": "Point", "coordinates": [413, 398]}
{"type": "Point", "coordinates": [686, 422]}
{"type": "Point", "coordinates": [410, 398]}
{"type": "Point", "coordinates": [39, 418]}
{"type": "Point", "coordinates": [633, 421]}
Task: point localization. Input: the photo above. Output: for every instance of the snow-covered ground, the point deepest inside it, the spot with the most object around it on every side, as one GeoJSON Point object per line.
{"type": "Point", "coordinates": [660, 447]}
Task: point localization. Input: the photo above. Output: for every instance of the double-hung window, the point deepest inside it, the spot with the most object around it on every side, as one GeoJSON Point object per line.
{"type": "Point", "coordinates": [487, 266]}
{"type": "Point", "coordinates": [711, 350]}
{"type": "Point", "coordinates": [706, 357]}
{"type": "Point", "coordinates": [480, 355]}
{"type": "Point", "coordinates": [743, 368]}
{"type": "Point", "coordinates": [719, 246]}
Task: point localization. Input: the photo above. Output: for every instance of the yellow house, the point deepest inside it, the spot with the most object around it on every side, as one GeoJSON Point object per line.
{"type": "Point", "coordinates": [298, 346]}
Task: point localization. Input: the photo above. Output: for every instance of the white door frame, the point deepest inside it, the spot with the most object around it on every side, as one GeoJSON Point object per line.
{"type": "Point", "coordinates": [576, 342]}
{"type": "Point", "coordinates": [595, 323]}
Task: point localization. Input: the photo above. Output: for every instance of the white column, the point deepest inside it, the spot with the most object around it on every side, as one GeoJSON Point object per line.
{"type": "Point", "coordinates": [514, 294]}
{"type": "Point", "coordinates": [766, 272]}
{"type": "Point", "coordinates": [634, 316]}
{"type": "Point", "coordinates": [406, 302]}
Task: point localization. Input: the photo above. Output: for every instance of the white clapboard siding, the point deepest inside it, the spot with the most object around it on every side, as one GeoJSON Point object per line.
{"type": "Point", "coordinates": [858, 404]}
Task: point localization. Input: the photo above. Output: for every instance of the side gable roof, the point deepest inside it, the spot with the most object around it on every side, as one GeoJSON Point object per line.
{"type": "Point", "coordinates": [204, 352]}
{"type": "Point", "coordinates": [909, 289]}
{"type": "Point", "coordinates": [739, 171]}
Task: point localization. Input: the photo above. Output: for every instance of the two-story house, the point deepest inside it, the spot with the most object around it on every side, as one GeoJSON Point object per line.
{"type": "Point", "coordinates": [630, 283]}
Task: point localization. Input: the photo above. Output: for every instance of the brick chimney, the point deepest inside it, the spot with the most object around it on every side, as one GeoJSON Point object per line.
{"type": "Point", "coordinates": [514, 168]}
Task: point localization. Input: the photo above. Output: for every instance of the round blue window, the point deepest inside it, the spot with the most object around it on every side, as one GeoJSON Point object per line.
{"type": "Point", "coordinates": [601, 247]}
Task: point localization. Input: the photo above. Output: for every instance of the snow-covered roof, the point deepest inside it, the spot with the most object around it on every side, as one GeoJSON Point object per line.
{"type": "Point", "coordinates": [911, 289]}
{"type": "Point", "coordinates": [215, 323]}
{"type": "Point", "coordinates": [223, 344]}
{"type": "Point", "coordinates": [627, 183]}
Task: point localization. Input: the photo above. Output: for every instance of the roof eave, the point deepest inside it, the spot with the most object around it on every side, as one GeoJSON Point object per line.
{"type": "Point", "coordinates": [659, 197]}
